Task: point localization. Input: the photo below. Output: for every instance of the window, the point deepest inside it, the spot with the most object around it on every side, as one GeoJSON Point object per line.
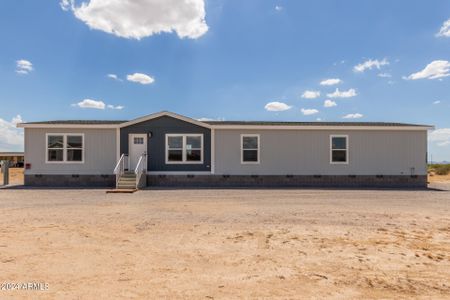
{"type": "Point", "coordinates": [184, 148]}
{"type": "Point", "coordinates": [65, 148]}
{"type": "Point", "coordinates": [250, 149]}
{"type": "Point", "coordinates": [138, 140]}
{"type": "Point", "coordinates": [339, 149]}
{"type": "Point", "coordinates": [55, 148]}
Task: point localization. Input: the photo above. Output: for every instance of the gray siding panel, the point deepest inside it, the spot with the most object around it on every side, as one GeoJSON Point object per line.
{"type": "Point", "coordinates": [156, 145]}
{"type": "Point", "coordinates": [99, 156]}
{"type": "Point", "coordinates": [307, 152]}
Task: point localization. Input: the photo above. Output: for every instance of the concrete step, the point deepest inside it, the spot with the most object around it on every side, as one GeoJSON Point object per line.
{"type": "Point", "coordinates": [126, 183]}
{"type": "Point", "coordinates": [128, 175]}
{"type": "Point", "coordinates": [127, 179]}
{"type": "Point", "coordinates": [126, 187]}
{"type": "Point", "coordinates": [126, 191]}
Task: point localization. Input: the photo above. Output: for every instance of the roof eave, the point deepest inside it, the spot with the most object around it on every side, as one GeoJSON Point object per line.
{"type": "Point", "coordinates": [234, 127]}
{"type": "Point", "coordinates": [321, 127]}
{"type": "Point", "coordinates": [68, 126]}
{"type": "Point", "coordinates": [162, 114]}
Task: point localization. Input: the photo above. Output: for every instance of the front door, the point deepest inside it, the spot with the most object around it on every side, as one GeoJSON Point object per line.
{"type": "Point", "coordinates": [137, 146]}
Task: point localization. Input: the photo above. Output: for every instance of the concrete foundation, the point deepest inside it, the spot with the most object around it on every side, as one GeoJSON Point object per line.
{"type": "Point", "coordinates": [343, 181]}
{"type": "Point", "coordinates": [230, 181]}
{"type": "Point", "coordinates": [82, 181]}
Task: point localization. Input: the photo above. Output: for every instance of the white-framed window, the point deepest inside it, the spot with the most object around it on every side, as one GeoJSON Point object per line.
{"type": "Point", "coordinates": [250, 145]}
{"type": "Point", "coordinates": [138, 141]}
{"type": "Point", "coordinates": [184, 148]}
{"type": "Point", "coordinates": [339, 149]}
{"type": "Point", "coordinates": [64, 148]}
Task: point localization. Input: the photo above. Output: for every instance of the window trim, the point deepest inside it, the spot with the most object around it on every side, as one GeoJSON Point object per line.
{"type": "Point", "coordinates": [257, 149]}
{"type": "Point", "coordinates": [65, 148]}
{"type": "Point", "coordinates": [138, 137]}
{"type": "Point", "coordinates": [347, 145]}
{"type": "Point", "coordinates": [184, 149]}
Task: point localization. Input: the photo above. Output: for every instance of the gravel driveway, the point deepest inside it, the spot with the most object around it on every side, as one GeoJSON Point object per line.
{"type": "Point", "coordinates": [205, 244]}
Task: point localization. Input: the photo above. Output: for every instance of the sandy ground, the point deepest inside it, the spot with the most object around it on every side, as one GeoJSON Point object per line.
{"type": "Point", "coordinates": [439, 178]}
{"type": "Point", "coordinates": [15, 176]}
{"type": "Point", "coordinates": [217, 244]}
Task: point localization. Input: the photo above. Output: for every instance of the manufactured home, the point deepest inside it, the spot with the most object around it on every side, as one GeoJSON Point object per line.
{"type": "Point", "coordinates": [169, 150]}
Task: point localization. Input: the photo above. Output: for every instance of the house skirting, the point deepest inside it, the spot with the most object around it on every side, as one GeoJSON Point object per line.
{"type": "Point", "coordinates": [263, 181]}
{"type": "Point", "coordinates": [230, 181]}
{"type": "Point", "coordinates": [83, 181]}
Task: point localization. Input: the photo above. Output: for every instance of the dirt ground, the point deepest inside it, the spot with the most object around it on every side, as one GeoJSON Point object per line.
{"type": "Point", "coordinates": [217, 244]}
{"type": "Point", "coordinates": [439, 178]}
{"type": "Point", "coordinates": [15, 176]}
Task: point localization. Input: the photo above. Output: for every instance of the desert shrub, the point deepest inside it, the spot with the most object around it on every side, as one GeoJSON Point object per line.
{"type": "Point", "coordinates": [440, 169]}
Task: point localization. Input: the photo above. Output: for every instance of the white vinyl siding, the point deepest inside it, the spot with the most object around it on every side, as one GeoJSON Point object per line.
{"type": "Point", "coordinates": [99, 155]}
{"type": "Point", "coordinates": [307, 152]}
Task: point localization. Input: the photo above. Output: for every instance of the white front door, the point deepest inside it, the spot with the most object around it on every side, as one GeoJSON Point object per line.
{"type": "Point", "coordinates": [137, 146]}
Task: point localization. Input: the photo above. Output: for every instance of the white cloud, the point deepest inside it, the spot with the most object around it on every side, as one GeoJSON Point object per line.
{"type": "Point", "coordinates": [210, 119]}
{"type": "Point", "coordinates": [385, 75]}
{"type": "Point", "coordinates": [311, 94]}
{"type": "Point", "coordinates": [119, 107]}
{"type": "Point", "coordinates": [434, 70]}
{"type": "Point", "coordinates": [96, 104]}
{"type": "Point", "coordinates": [24, 66]}
{"type": "Point", "coordinates": [140, 78]}
{"type": "Point", "coordinates": [331, 81]}
{"type": "Point", "coordinates": [340, 62]}
{"type": "Point", "coordinates": [437, 102]}
{"type": "Point", "coordinates": [11, 137]}
{"type": "Point", "coordinates": [309, 111]}
{"type": "Point", "coordinates": [89, 103]}
{"type": "Point", "coordinates": [16, 120]}
{"type": "Point", "coordinates": [66, 5]}
{"type": "Point", "coordinates": [138, 19]}
{"type": "Point", "coordinates": [440, 136]}
{"type": "Point", "coordinates": [445, 29]}
{"type": "Point", "coordinates": [329, 103]}
{"type": "Point", "coordinates": [114, 77]}
{"type": "Point", "coordinates": [278, 8]}
{"type": "Point", "coordinates": [353, 116]}
{"type": "Point", "coordinates": [344, 94]}
{"type": "Point", "coordinates": [277, 106]}
{"type": "Point", "coordinates": [370, 64]}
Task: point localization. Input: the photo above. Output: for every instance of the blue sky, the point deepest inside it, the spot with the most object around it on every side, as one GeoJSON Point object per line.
{"type": "Point", "coordinates": [232, 60]}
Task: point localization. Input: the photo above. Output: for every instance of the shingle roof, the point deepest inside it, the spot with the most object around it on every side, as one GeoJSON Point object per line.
{"type": "Point", "coordinates": [237, 123]}
{"type": "Point", "coordinates": [276, 123]}
{"type": "Point", "coordinates": [79, 122]}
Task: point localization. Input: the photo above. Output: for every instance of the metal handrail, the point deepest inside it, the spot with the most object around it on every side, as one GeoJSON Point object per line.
{"type": "Point", "coordinates": [141, 168]}
{"type": "Point", "coordinates": [119, 170]}
{"type": "Point", "coordinates": [119, 163]}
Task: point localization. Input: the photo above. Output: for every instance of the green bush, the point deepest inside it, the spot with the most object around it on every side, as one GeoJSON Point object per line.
{"type": "Point", "coordinates": [440, 169]}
